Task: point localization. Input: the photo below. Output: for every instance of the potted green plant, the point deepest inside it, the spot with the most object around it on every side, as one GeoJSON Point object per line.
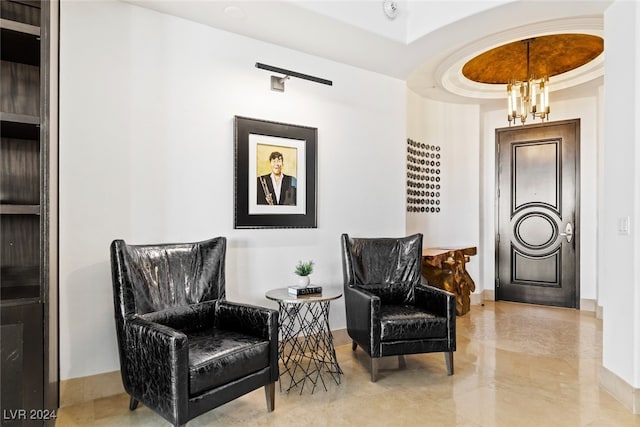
{"type": "Point", "coordinates": [303, 270]}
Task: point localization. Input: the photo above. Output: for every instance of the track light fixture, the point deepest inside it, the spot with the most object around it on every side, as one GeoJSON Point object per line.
{"type": "Point", "coordinates": [277, 83]}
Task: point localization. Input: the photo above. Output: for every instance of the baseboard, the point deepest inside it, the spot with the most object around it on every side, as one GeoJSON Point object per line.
{"type": "Point", "coordinates": [84, 389]}
{"type": "Point", "coordinates": [480, 298]}
{"type": "Point", "coordinates": [620, 389]}
{"type": "Point", "coordinates": [588, 305]}
{"type": "Point", "coordinates": [489, 295]}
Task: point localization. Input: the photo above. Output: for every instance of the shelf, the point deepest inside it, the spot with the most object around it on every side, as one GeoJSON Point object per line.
{"type": "Point", "coordinates": [30, 3]}
{"type": "Point", "coordinates": [19, 126]}
{"type": "Point", "coordinates": [20, 27]}
{"type": "Point", "coordinates": [20, 283]}
{"type": "Point", "coordinates": [14, 293]}
{"type": "Point", "coordinates": [19, 118]}
{"type": "Point", "coordinates": [7, 209]}
{"type": "Point", "coordinates": [17, 130]}
{"type": "Point", "coordinates": [20, 42]}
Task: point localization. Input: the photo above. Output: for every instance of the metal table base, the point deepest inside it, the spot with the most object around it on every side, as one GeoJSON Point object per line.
{"type": "Point", "coordinates": [306, 349]}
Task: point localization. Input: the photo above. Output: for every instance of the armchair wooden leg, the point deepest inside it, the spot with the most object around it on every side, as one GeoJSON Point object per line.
{"type": "Point", "coordinates": [133, 404]}
{"type": "Point", "coordinates": [270, 394]}
{"type": "Point", "coordinates": [402, 364]}
{"type": "Point", "coordinates": [374, 369]}
{"type": "Point", "coordinates": [448, 357]}
{"type": "Point", "coordinates": [354, 345]}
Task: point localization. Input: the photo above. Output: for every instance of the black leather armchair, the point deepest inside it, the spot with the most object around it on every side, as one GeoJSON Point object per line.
{"type": "Point", "coordinates": [391, 310]}
{"type": "Point", "coordinates": [184, 349]}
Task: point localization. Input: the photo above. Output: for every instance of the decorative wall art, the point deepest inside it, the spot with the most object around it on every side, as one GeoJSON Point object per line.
{"type": "Point", "coordinates": [423, 177]}
{"type": "Point", "coordinates": [275, 174]}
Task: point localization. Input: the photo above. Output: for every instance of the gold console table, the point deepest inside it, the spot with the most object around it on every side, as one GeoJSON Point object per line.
{"type": "Point", "coordinates": [445, 268]}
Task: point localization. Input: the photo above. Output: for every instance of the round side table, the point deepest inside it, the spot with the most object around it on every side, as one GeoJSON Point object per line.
{"type": "Point", "coordinates": [306, 348]}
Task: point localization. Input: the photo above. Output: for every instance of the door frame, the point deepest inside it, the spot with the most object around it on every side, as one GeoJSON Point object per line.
{"type": "Point", "coordinates": [577, 223]}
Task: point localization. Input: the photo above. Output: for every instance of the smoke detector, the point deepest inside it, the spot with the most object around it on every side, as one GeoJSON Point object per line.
{"type": "Point", "coordinates": [390, 9]}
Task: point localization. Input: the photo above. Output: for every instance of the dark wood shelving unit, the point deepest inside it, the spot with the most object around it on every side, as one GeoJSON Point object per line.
{"type": "Point", "coordinates": [28, 291]}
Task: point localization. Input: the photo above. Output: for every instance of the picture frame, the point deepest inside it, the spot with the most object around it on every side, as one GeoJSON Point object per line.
{"type": "Point", "coordinates": [275, 174]}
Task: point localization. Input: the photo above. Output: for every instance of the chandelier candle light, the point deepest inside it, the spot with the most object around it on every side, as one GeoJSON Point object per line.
{"type": "Point", "coordinates": [528, 97]}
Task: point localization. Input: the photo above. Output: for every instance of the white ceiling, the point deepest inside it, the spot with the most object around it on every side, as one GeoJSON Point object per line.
{"type": "Point", "coordinates": [426, 44]}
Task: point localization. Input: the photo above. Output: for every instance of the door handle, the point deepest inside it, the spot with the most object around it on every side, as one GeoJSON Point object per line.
{"type": "Point", "coordinates": [568, 232]}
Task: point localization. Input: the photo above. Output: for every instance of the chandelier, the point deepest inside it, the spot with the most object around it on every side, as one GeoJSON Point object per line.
{"type": "Point", "coordinates": [530, 97]}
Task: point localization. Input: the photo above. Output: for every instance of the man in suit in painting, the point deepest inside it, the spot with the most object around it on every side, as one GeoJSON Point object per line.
{"type": "Point", "coordinates": [276, 188]}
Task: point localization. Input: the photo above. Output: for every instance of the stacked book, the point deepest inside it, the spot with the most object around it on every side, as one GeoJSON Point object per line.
{"type": "Point", "coordinates": [304, 290]}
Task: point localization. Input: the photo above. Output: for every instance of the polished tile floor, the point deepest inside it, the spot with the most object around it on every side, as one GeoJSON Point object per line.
{"type": "Point", "coordinates": [516, 365]}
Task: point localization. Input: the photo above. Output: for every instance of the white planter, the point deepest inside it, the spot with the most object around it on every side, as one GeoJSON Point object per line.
{"type": "Point", "coordinates": [304, 281]}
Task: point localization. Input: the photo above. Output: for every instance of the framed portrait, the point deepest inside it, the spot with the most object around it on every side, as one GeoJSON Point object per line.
{"type": "Point", "coordinates": [275, 174]}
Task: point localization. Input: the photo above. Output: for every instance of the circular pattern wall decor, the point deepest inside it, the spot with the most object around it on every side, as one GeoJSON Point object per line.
{"type": "Point", "coordinates": [423, 172]}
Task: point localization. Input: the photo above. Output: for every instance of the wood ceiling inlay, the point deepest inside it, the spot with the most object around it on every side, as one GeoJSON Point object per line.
{"type": "Point", "coordinates": [548, 56]}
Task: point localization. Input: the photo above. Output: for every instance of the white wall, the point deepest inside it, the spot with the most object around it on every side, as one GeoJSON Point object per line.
{"type": "Point", "coordinates": [585, 107]}
{"type": "Point", "coordinates": [618, 265]}
{"type": "Point", "coordinates": [146, 154]}
{"type": "Point", "coordinates": [454, 128]}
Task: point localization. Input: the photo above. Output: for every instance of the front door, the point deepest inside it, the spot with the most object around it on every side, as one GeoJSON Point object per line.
{"type": "Point", "coordinates": [537, 213]}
